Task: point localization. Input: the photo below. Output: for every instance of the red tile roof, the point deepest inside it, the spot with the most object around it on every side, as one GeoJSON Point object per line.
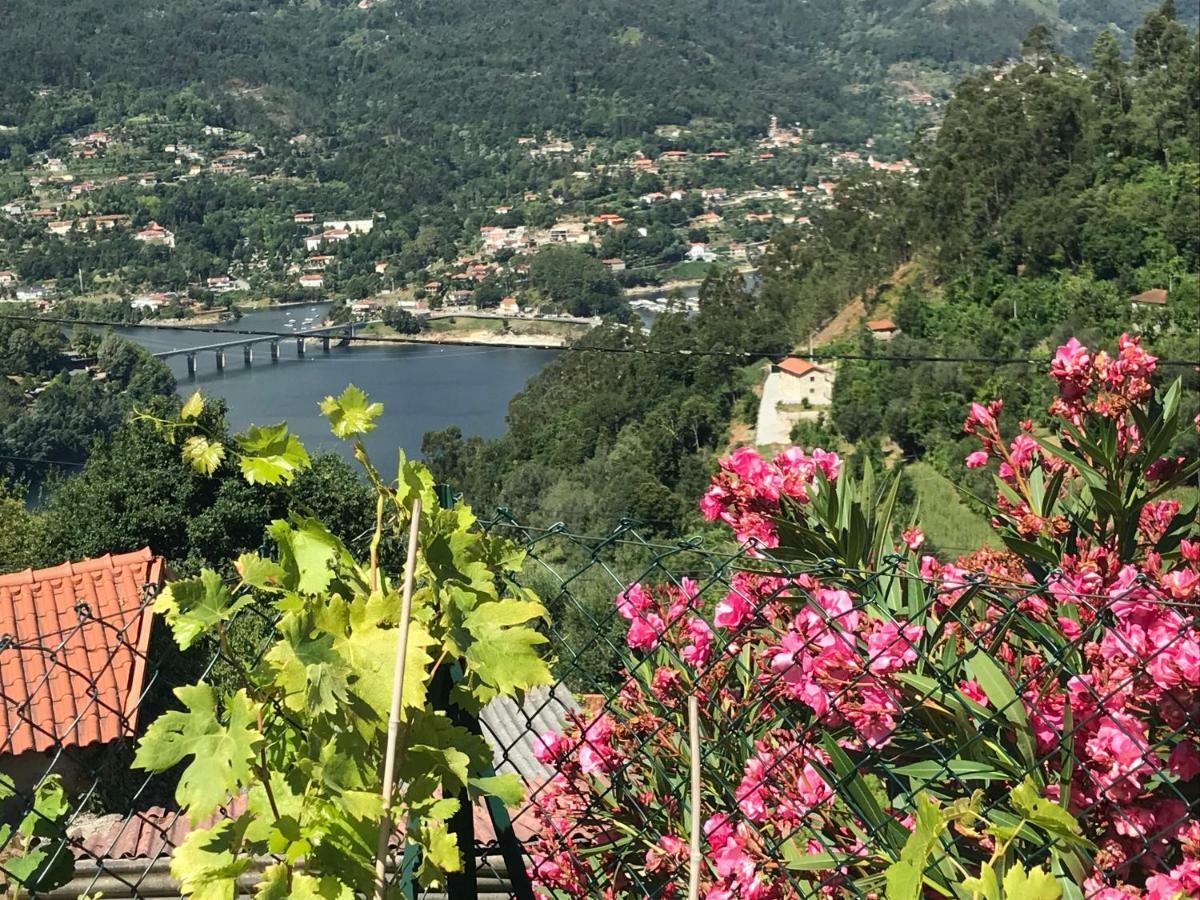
{"type": "Point", "coordinates": [881, 325]}
{"type": "Point", "coordinates": [74, 660]}
{"type": "Point", "coordinates": [793, 365]}
{"type": "Point", "coordinates": [1157, 296]}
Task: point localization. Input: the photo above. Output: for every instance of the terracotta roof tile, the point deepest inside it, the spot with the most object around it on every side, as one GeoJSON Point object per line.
{"type": "Point", "coordinates": [73, 655]}
{"type": "Point", "coordinates": [793, 365]}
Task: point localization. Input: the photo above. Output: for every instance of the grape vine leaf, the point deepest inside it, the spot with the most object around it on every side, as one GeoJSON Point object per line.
{"type": "Point", "coordinates": [270, 454]}
{"type": "Point", "coordinates": [906, 875]}
{"type": "Point", "coordinates": [1043, 812]}
{"type": "Point", "coordinates": [203, 455]}
{"type": "Point", "coordinates": [507, 788]}
{"type": "Point", "coordinates": [193, 407]}
{"type": "Point", "coordinates": [207, 864]}
{"type": "Point", "coordinates": [308, 553]}
{"type": "Point", "coordinates": [501, 652]}
{"type": "Point", "coordinates": [264, 574]}
{"type": "Point", "coordinates": [281, 883]}
{"type": "Point", "coordinates": [350, 413]}
{"type": "Point", "coordinates": [312, 675]}
{"type": "Point", "coordinates": [192, 606]}
{"type": "Point", "coordinates": [221, 754]}
{"type": "Point", "coordinates": [370, 651]}
{"type": "Point", "coordinates": [440, 854]}
{"type": "Point", "coordinates": [1034, 884]}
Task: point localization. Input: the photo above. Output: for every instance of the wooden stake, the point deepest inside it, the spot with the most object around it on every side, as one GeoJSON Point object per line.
{"type": "Point", "coordinates": [389, 766]}
{"type": "Point", "coordinates": [697, 827]}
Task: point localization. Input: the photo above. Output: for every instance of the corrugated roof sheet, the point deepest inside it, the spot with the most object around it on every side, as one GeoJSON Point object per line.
{"type": "Point", "coordinates": [73, 655]}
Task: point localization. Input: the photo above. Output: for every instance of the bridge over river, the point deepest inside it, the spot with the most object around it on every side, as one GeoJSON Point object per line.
{"type": "Point", "coordinates": [248, 340]}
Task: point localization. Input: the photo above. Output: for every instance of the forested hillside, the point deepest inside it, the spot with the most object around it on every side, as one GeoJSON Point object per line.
{"type": "Point", "coordinates": [1051, 194]}
{"type": "Point", "coordinates": [612, 67]}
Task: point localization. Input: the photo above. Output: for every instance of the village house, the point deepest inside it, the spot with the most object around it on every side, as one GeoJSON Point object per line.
{"type": "Point", "coordinates": [716, 154]}
{"type": "Point", "coordinates": [652, 197]}
{"type": "Point", "coordinates": [15, 210]}
{"type": "Point", "coordinates": [381, 266]}
{"type": "Point", "coordinates": [304, 218]}
{"type": "Point", "coordinates": [700, 252]}
{"type": "Point", "coordinates": [30, 293]}
{"type": "Point", "coordinates": [510, 307]}
{"type": "Point", "coordinates": [568, 233]}
{"type": "Point", "coordinates": [156, 234]}
{"type": "Point", "coordinates": [808, 382]}
{"type": "Point", "coordinates": [1154, 297]}
{"type": "Point", "coordinates": [318, 262]}
{"type": "Point", "coordinates": [220, 284]}
{"type": "Point", "coordinates": [882, 329]}
{"type": "Point", "coordinates": [328, 236]}
{"type": "Point", "coordinates": [61, 226]}
{"type": "Point", "coordinates": [8, 278]}
{"type": "Point", "coordinates": [714, 194]}
{"type": "Point", "coordinates": [737, 251]}
{"type": "Point", "coordinates": [148, 302]}
{"type": "Point", "coordinates": [673, 155]}
{"type": "Point", "coordinates": [362, 308]}
{"type": "Point", "coordinates": [503, 210]}
{"type": "Point", "coordinates": [312, 280]}
{"type": "Point", "coordinates": [708, 218]}
{"type": "Point", "coordinates": [612, 220]}
{"type": "Point", "coordinates": [615, 265]}
{"type": "Point", "coordinates": [353, 226]}
{"type": "Point", "coordinates": [100, 613]}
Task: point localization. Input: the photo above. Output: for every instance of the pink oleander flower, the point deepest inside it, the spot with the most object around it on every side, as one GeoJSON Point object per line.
{"type": "Point", "coordinates": [976, 460]}
{"type": "Point", "coordinates": [913, 538]}
{"type": "Point", "coordinates": [973, 690]}
{"type": "Point", "coordinates": [645, 632]}
{"type": "Point", "coordinates": [890, 646]}
{"type": "Point", "coordinates": [732, 611]}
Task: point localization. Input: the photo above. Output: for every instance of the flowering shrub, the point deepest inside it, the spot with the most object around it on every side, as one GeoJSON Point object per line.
{"type": "Point", "coordinates": [1020, 722]}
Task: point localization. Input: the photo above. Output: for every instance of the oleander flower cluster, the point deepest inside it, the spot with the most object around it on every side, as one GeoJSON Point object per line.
{"type": "Point", "coordinates": [1069, 660]}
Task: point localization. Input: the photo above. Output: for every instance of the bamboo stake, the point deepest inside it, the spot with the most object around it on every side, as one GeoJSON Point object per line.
{"type": "Point", "coordinates": [389, 766]}
{"type": "Point", "coordinates": [694, 741]}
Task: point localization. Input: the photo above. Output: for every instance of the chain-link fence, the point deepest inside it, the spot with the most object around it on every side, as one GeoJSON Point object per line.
{"type": "Point", "coordinates": [1014, 723]}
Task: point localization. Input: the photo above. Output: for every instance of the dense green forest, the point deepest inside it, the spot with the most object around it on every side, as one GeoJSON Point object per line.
{"type": "Point", "coordinates": [1049, 196]}
{"type": "Point", "coordinates": [412, 72]}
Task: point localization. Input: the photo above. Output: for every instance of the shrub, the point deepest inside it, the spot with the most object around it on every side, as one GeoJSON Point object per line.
{"type": "Point", "coordinates": [1020, 723]}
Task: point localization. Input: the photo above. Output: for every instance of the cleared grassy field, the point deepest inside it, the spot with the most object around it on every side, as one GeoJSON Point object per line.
{"type": "Point", "coordinates": [944, 517]}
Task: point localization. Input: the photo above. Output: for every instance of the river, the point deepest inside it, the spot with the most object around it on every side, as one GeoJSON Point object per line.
{"type": "Point", "coordinates": [423, 388]}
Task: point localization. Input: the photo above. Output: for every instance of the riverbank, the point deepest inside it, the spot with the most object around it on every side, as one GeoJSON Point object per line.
{"type": "Point", "coordinates": [506, 332]}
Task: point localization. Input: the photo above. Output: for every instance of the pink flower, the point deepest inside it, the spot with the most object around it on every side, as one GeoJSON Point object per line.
{"type": "Point", "coordinates": [973, 691]}
{"type": "Point", "coordinates": [550, 748]}
{"type": "Point", "coordinates": [645, 632]}
{"type": "Point", "coordinates": [913, 538]}
{"type": "Point", "coordinates": [1184, 761]}
{"type": "Point", "coordinates": [733, 611]}
{"type": "Point", "coordinates": [596, 753]}
{"type": "Point", "coordinates": [890, 646]}
{"type": "Point", "coordinates": [632, 601]}
{"type": "Point", "coordinates": [829, 463]}
{"type": "Point", "coordinates": [976, 460]}
{"type": "Point", "coordinates": [981, 415]}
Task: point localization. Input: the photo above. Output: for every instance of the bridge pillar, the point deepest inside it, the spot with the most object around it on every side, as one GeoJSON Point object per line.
{"type": "Point", "coordinates": [220, 354]}
{"type": "Point", "coordinates": [274, 351]}
{"type": "Point", "coordinates": [299, 346]}
{"type": "Point", "coordinates": [191, 361]}
{"type": "Point", "coordinates": [248, 354]}
{"type": "Point", "coordinates": [325, 343]}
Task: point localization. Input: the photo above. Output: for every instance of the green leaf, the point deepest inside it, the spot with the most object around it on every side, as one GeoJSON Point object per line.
{"type": "Point", "coordinates": [986, 884]}
{"type": "Point", "coordinates": [192, 408]}
{"type": "Point", "coordinates": [964, 769]}
{"type": "Point", "coordinates": [440, 854]}
{"type": "Point", "coordinates": [350, 413]}
{"type": "Point", "coordinates": [221, 754]}
{"type": "Point", "coordinates": [1004, 699]}
{"type": "Point", "coordinates": [501, 652]}
{"type": "Point", "coordinates": [1035, 884]}
{"type": "Point", "coordinates": [50, 808]}
{"type": "Point", "coordinates": [507, 788]}
{"type": "Point", "coordinates": [906, 876]}
{"type": "Point", "coordinates": [307, 554]}
{"type": "Point", "coordinates": [312, 675]}
{"type": "Point", "coordinates": [192, 606]}
{"type": "Point", "coordinates": [370, 651]}
{"type": "Point", "coordinates": [1045, 813]}
{"type": "Point", "coordinates": [264, 574]}
{"type": "Point", "coordinates": [207, 864]}
{"type": "Point", "coordinates": [270, 455]}
{"type": "Point", "coordinates": [203, 455]}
